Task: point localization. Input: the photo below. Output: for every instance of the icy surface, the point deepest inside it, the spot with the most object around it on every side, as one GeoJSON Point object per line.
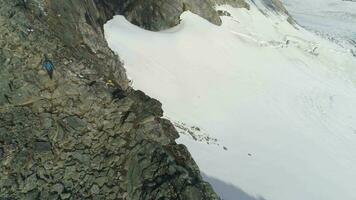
{"type": "Point", "coordinates": [334, 17]}
{"type": "Point", "coordinates": [281, 100]}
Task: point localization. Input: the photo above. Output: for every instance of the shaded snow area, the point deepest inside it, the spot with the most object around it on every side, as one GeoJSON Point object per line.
{"type": "Point", "coordinates": [268, 110]}
{"type": "Point", "coordinates": [336, 18]}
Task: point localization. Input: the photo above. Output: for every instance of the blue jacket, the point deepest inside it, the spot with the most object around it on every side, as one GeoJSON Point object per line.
{"type": "Point", "coordinates": [49, 67]}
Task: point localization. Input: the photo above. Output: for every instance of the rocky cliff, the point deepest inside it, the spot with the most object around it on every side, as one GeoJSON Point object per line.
{"type": "Point", "coordinates": [162, 14]}
{"type": "Point", "coordinates": [84, 134]}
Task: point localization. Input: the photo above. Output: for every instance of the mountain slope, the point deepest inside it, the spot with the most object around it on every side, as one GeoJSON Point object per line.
{"type": "Point", "coordinates": [332, 18]}
{"type": "Point", "coordinates": [82, 132]}
{"type": "Point", "coordinates": [279, 100]}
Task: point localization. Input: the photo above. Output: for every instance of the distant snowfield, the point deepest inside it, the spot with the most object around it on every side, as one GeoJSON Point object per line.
{"type": "Point", "coordinates": [335, 17]}
{"type": "Point", "coordinates": [282, 100]}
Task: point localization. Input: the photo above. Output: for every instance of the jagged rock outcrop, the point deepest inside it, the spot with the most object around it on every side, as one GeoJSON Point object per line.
{"type": "Point", "coordinates": [162, 14]}
{"type": "Point", "coordinates": [85, 134]}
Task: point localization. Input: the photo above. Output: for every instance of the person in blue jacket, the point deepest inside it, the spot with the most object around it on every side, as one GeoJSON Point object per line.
{"type": "Point", "coordinates": [48, 66]}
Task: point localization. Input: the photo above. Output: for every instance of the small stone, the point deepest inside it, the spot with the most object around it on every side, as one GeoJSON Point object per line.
{"type": "Point", "coordinates": [7, 182]}
{"type": "Point", "coordinates": [125, 195]}
{"type": "Point", "coordinates": [71, 173]}
{"type": "Point", "coordinates": [223, 13]}
{"type": "Point", "coordinates": [1, 153]}
{"type": "Point", "coordinates": [58, 188]}
{"type": "Point", "coordinates": [81, 157]}
{"type": "Point", "coordinates": [53, 197]}
{"type": "Point", "coordinates": [111, 173]}
{"type": "Point", "coordinates": [108, 125]}
{"type": "Point", "coordinates": [68, 184]}
{"type": "Point", "coordinates": [95, 189]}
{"type": "Point", "coordinates": [65, 196]}
{"type": "Point", "coordinates": [30, 183]}
{"type": "Point", "coordinates": [112, 196]}
{"type": "Point", "coordinates": [32, 194]}
{"type": "Point", "coordinates": [195, 128]}
{"type": "Point", "coordinates": [225, 148]}
{"type": "Point", "coordinates": [101, 181]}
{"type": "Point", "coordinates": [75, 122]}
{"type": "Point", "coordinates": [87, 140]}
{"type": "Point", "coordinates": [42, 146]}
{"type": "Point", "coordinates": [46, 120]}
{"type": "Point", "coordinates": [44, 195]}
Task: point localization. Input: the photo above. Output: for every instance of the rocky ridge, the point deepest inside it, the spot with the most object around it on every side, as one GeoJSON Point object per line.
{"type": "Point", "coordinates": [85, 134]}
{"type": "Point", "coordinates": [162, 14]}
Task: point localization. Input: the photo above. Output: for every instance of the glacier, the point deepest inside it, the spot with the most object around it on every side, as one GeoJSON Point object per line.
{"type": "Point", "coordinates": [334, 18]}
{"type": "Point", "coordinates": [279, 99]}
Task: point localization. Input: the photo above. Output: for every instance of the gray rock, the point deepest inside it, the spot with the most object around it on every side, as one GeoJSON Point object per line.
{"type": "Point", "coordinates": [68, 184]}
{"type": "Point", "coordinates": [66, 136]}
{"type": "Point", "coordinates": [81, 157]}
{"type": "Point", "coordinates": [146, 177]}
{"type": "Point", "coordinates": [101, 181]}
{"type": "Point", "coordinates": [71, 173]}
{"type": "Point", "coordinates": [44, 195]}
{"type": "Point", "coordinates": [162, 14]}
{"type": "Point", "coordinates": [74, 122]}
{"type": "Point", "coordinates": [7, 182]}
{"type": "Point", "coordinates": [95, 189]}
{"type": "Point", "coordinates": [46, 119]}
{"type": "Point", "coordinates": [42, 146]}
{"type": "Point", "coordinates": [53, 197]}
{"type": "Point", "coordinates": [224, 13]}
{"type": "Point", "coordinates": [31, 195]}
{"type": "Point", "coordinates": [58, 188]}
{"type": "Point", "coordinates": [65, 196]}
{"type": "Point", "coordinates": [30, 183]}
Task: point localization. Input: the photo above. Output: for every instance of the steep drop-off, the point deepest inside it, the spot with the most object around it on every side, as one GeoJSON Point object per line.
{"type": "Point", "coordinates": [85, 134]}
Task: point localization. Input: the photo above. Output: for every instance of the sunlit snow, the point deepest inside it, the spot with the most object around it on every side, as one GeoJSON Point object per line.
{"type": "Point", "coordinates": [282, 100]}
{"type": "Point", "coordinates": [334, 17]}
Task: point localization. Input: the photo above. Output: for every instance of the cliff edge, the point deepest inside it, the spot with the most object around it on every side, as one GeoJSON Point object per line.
{"type": "Point", "coordinates": [84, 134]}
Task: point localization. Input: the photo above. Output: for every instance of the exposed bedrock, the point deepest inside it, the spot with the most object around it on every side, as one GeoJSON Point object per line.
{"type": "Point", "coordinates": [85, 133]}
{"type": "Point", "coordinates": [162, 14]}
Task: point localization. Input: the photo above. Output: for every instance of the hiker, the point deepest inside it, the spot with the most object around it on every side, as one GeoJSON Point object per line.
{"type": "Point", "coordinates": [48, 66]}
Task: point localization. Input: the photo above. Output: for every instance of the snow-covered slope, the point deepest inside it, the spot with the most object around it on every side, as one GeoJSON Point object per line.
{"type": "Point", "coordinates": [336, 18]}
{"type": "Point", "coordinates": [281, 100]}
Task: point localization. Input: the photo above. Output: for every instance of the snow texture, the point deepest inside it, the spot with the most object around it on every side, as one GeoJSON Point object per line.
{"type": "Point", "coordinates": [282, 100]}
{"type": "Point", "coordinates": [334, 18]}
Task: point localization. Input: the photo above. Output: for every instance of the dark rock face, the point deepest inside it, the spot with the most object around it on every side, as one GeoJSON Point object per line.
{"type": "Point", "coordinates": [278, 7]}
{"type": "Point", "coordinates": [162, 14]}
{"type": "Point", "coordinates": [85, 134]}
{"type": "Point", "coordinates": [275, 5]}
{"type": "Point", "coordinates": [153, 165]}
